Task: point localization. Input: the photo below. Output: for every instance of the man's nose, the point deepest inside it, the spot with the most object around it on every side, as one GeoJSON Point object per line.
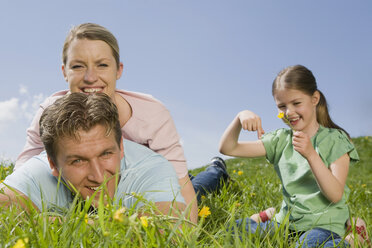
{"type": "Point", "coordinates": [96, 172]}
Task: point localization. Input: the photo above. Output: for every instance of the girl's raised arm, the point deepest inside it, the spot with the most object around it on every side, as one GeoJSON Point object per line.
{"type": "Point", "coordinates": [229, 144]}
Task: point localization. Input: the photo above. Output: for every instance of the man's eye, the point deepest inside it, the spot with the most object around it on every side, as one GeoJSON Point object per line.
{"type": "Point", "coordinates": [296, 103]}
{"type": "Point", "coordinates": [77, 162]}
{"type": "Point", "coordinates": [106, 154]}
{"type": "Point", "coordinates": [103, 65]}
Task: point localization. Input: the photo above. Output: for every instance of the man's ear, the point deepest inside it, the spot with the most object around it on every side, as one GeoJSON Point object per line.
{"type": "Point", "coordinates": [53, 167]}
{"type": "Point", "coordinates": [121, 148]}
{"type": "Point", "coordinates": [315, 98]}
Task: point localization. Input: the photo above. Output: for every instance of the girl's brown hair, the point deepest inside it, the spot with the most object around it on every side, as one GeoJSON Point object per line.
{"type": "Point", "coordinates": [300, 78]}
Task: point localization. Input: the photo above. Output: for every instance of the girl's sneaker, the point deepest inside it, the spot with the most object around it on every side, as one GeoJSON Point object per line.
{"type": "Point", "coordinates": [359, 228]}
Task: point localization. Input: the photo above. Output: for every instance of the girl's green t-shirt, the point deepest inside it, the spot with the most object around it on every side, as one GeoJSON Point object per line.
{"type": "Point", "coordinates": [303, 202]}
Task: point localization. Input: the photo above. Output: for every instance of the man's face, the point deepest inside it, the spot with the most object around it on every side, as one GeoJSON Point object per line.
{"type": "Point", "coordinates": [89, 162]}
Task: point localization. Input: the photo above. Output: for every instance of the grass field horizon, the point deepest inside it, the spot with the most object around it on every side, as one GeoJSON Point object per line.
{"type": "Point", "coordinates": [253, 188]}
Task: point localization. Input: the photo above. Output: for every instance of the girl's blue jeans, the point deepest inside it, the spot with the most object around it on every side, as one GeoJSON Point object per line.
{"type": "Point", "coordinates": [316, 237]}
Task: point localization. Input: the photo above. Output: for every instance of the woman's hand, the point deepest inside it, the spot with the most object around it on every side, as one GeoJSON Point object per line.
{"type": "Point", "coordinates": [251, 122]}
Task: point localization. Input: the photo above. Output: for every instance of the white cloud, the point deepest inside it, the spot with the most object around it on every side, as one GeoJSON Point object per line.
{"type": "Point", "coordinates": [9, 110]}
{"type": "Point", "coordinates": [15, 111]}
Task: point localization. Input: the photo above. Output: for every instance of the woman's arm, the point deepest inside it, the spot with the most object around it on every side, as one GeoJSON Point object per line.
{"type": "Point", "coordinates": [229, 144]}
{"type": "Point", "coordinates": [33, 145]}
{"type": "Point", "coordinates": [188, 193]}
{"type": "Point", "coordinates": [331, 181]}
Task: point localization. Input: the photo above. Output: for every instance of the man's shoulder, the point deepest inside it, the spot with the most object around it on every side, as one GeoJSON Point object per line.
{"type": "Point", "coordinates": [35, 180]}
{"type": "Point", "coordinates": [136, 154]}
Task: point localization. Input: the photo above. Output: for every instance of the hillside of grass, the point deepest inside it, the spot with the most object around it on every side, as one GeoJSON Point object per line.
{"type": "Point", "coordinates": [254, 186]}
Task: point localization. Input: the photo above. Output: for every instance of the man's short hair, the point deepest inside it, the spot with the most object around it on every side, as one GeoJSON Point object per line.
{"type": "Point", "coordinates": [77, 112]}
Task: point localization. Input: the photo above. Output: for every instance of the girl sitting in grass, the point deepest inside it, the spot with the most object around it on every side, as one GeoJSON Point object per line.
{"type": "Point", "coordinates": [312, 160]}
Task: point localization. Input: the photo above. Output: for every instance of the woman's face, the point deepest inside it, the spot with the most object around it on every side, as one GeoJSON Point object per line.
{"type": "Point", "coordinates": [91, 67]}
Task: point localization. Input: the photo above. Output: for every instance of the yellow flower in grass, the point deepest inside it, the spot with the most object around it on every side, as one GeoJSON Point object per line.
{"type": "Point", "coordinates": [144, 221]}
{"type": "Point", "coordinates": [234, 171]}
{"type": "Point", "coordinates": [118, 215]}
{"type": "Point", "coordinates": [86, 219]}
{"type": "Point", "coordinates": [21, 243]}
{"type": "Point", "coordinates": [240, 173]}
{"type": "Point", "coordinates": [204, 212]}
{"type": "Point", "coordinates": [203, 197]}
{"type": "Point", "coordinates": [364, 185]}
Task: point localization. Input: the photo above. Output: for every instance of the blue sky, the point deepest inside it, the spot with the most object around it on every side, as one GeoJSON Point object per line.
{"type": "Point", "coordinates": [206, 60]}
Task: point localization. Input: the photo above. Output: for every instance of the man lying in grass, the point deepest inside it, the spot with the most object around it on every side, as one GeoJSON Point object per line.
{"type": "Point", "coordinates": [87, 156]}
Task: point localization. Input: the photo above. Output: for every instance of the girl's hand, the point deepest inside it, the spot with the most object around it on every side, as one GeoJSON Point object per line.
{"type": "Point", "coordinates": [302, 144]}
{"type": "Point", "coordinates": [251, 122]}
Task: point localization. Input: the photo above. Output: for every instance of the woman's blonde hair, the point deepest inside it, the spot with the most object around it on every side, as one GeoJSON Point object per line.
{"type": "Point", "coordinates": [300, 78]}
{"type": "Point", "coordinates": [91, 31]}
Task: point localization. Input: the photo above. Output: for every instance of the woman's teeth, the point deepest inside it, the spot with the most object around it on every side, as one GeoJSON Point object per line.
{"type": "Point", "coordinates": [91, 90]}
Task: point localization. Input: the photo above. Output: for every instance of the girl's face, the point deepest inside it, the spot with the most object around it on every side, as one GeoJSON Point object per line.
{"type": "Point", "coordinates": [91, 67]}
{"type": "Point", "coordinates": [299, 108]}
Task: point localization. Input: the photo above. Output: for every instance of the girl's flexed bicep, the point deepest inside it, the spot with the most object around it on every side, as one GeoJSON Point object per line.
{"type": "Point", "coordinates": [229, 144]}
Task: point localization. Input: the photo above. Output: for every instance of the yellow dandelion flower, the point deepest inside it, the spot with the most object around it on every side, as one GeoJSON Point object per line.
{"type": "Point", "coordinates": [281, 115]}
{"type": "Point", "coordinates": [21, 243]}
{"type": "Point", "coordinates": [234, 171]}
{"type": "Point", "coordinates": [118, 215]}
{"type": "Point", "coordinates": [144, 221]}
{"type": "Point", "coordinates": [86, 218]}
{"type": "Point", "coordinates": [204, 212]}
{"type": "Point", "coordinates": [240, 173]}
{"type": "Point", "coordinates": [364, 185]}
{"type": "Point", "coordinates": [203, 197]}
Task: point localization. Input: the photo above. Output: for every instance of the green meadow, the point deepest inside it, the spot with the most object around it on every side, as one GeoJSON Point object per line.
{"type": "Point", "coordinates": [254, 186]}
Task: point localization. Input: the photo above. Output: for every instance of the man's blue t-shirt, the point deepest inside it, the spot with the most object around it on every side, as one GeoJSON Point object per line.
{"type": "Point", "coordinates": [142, 171]}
